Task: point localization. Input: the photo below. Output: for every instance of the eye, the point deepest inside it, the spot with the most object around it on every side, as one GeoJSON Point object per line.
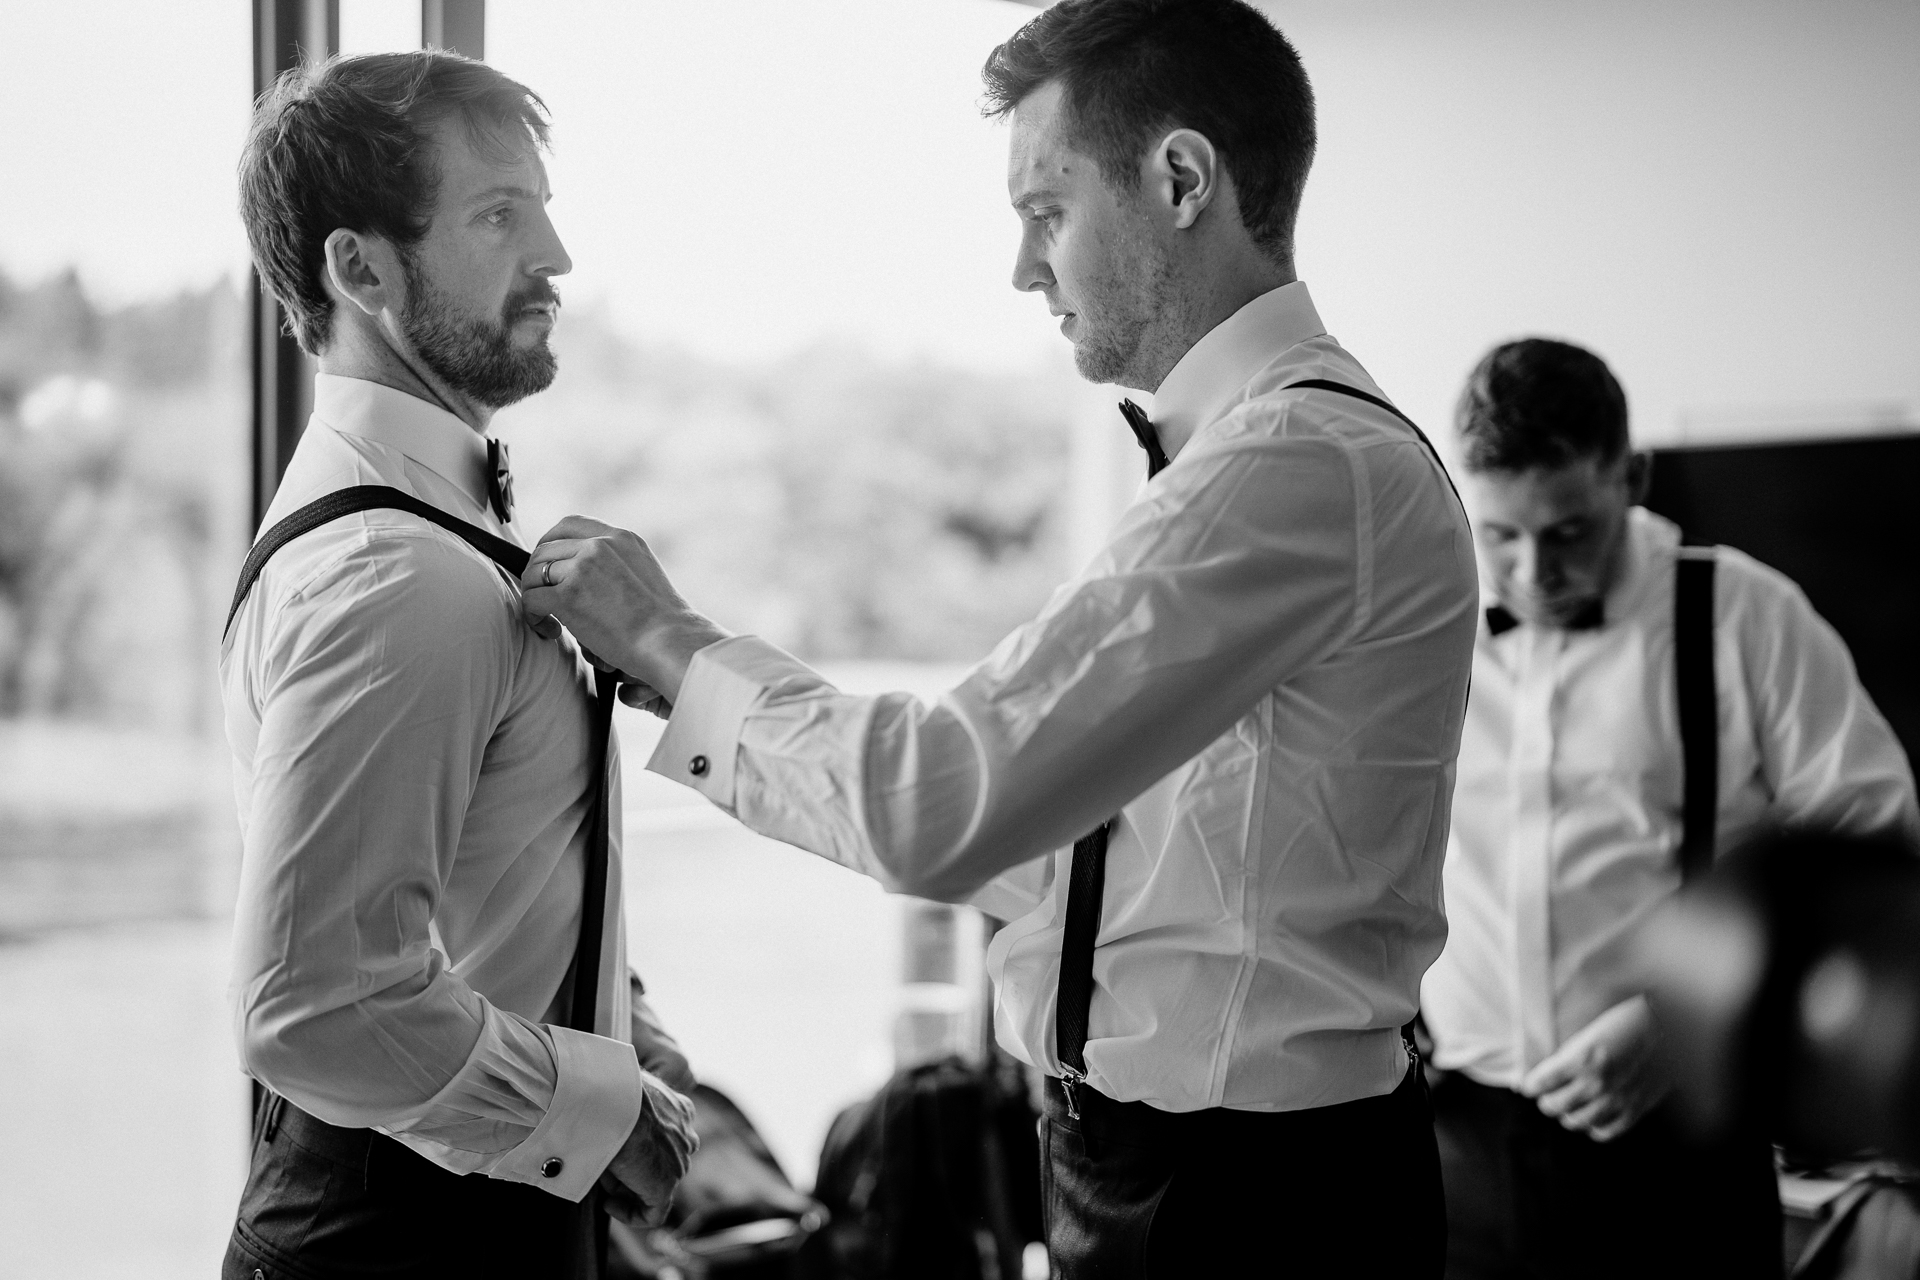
{"type": "Point", "coordinates": [498, 217]}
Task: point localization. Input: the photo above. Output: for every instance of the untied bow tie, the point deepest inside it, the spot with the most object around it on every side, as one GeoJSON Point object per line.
{"type": "Point", "coordinates": [1144, 432]}
{"type": "Point", "coordinates": [499, 481]}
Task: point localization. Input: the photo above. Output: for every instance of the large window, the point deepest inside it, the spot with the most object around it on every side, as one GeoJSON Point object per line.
{"type": "Point", "coordinates": [791, 358]}
{"type": "Point", "coordinates": [122, 517]}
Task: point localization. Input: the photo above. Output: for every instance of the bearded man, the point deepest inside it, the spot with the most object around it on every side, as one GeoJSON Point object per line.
{"type": "Point", "coordinates": [1263, 675]}
{"type": "Point", "coordinates": [456, 1067]}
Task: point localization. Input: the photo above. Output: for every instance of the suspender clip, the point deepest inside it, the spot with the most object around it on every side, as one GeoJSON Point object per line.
{"type": "Point", "coordinates": [1070, 1081]}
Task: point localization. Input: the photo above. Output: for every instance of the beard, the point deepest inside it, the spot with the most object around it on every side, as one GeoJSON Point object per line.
{"type": "Point", "coordinates": [477, 356]}
{"type": "Point", "coordinates": [1123, 311]}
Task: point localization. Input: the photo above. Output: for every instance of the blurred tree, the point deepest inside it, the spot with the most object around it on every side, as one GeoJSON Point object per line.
{"type": "Point", "coordinates": [838, 505]}
{"type": "Point", "coordinates": [114, 424]}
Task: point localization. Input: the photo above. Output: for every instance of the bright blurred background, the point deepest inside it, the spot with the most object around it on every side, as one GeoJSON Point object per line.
{"type": "Point", "coordinates": [790, 357]}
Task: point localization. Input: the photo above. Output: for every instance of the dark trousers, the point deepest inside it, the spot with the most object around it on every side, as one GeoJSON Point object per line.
{"type": "Point", "coordinates": [1529, 1199]}
{"type": "Point", "coordinates": [323, 1202]}
{"type": "Point", "coordinates": [1351, 1190]}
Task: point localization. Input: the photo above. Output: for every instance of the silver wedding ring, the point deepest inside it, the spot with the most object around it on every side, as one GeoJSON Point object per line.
{"type": "Point", "coordinates": [546, 573]}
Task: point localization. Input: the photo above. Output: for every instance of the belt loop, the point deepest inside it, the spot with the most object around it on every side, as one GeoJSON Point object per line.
{"type": "Point", "coordinates": [276, 1108]}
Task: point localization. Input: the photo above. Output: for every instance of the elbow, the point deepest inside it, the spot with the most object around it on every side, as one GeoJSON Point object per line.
{"type": "Point", "coordinates": [942, 882]}
{"type": "Point", "coordinates": [267, 1032]}
{"type": "Point", "coordinates": [261, 1053]}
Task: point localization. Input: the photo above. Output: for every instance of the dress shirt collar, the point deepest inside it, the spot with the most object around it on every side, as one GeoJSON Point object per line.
{"type": "Point", "coordinates": [1217, 368]}
{"type": "Point", "coordinates": [424, 432]}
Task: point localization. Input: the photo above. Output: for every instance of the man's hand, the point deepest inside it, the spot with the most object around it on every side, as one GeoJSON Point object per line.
{"type": "Point", "coordinates": [658, 1051]}
{"type": "Point", "coordinates": [1605, 1078]}
{"type": "Point", "coordinates": [608, 588]}
{"type": "Point", "coordinates": [639, 1183]}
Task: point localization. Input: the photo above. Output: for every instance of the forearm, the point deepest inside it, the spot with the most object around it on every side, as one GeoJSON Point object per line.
{"type": "Point", "coordinates": [1178, 629]}
{"type": "Point", "coordinates": [472, 1087]}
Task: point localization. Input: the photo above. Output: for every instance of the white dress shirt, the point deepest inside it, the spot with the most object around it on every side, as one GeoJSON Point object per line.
{"type": "Point", "coordinates": [1567, 819]}
{"type": "Point", "coordinates": [1263, 673]}
{"type": "Point", "coordinates": [414, 780]}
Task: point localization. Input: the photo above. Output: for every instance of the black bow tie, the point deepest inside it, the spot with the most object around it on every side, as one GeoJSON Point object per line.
{"type": "Point", "coordinates": [1590, 618]}
{"type": "Point", "coordinates": [1149, 438]}
{"type": "Point", "coordinates": [499, 481]}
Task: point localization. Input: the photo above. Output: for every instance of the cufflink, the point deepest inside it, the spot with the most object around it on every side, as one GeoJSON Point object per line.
{"type": "Point", "coordinates": [551, 1167]}
{"type": "Point", "coordinates": [697, 766]}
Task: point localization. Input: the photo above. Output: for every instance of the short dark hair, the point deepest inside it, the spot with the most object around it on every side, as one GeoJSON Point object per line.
{"type": "Point", "coordinates": [1134, 69]}
{"type": "Point", "coordinates": [1538, 403]}
{"type": "Point", "coordinates": [348, 143]}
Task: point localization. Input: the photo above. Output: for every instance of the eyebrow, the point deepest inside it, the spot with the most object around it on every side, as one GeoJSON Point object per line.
{"type": "Point", "coordinates": [494, 193]}
{"type": "Point", "coordinates": [1026, 199]}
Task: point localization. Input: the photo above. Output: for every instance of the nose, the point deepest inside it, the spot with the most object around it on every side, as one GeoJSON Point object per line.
{"type": "Point", "coordinates": [1031, 273]}
{"type": "Point", "coordinates": [1535, 567]}
{"type": "Point", "coordinates": [549, 255]}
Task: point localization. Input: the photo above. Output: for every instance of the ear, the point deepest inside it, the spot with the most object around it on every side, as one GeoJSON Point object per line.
{"type": "Point", "coordinates": [363, 270]}
{"type": "Point", "coordinates": [1185, 171]}
{"type": "Point", "coordinates": [1639, 476]}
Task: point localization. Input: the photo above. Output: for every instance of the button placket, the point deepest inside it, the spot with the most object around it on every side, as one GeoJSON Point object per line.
{"type": "Point", "coordinates": [1530, 843]}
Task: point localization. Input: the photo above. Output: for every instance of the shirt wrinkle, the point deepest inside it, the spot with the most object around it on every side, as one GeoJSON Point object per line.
{"type": "Point", "coordinates": [1570, 787]}
{"type": "Point", "coordinates": [409, 771]}
{"type": "Point", "coordinates": [1195, 671]}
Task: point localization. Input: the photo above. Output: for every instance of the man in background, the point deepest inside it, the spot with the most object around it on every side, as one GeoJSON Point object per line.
{"type": "Point", "coordinates": [455, 1073]}
{"type": "Point", "coordinates": [1568, 823]}
{"type": "Point", "coordinates": [1242, 716]}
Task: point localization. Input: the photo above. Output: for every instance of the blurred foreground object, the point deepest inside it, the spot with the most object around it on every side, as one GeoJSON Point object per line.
{"type": "Point", "coordinates": [1786, 986]}
{"type": "Point", "coordinates": [734, 1215]}
{"type": "Point", "coordinates": [936, 1177]}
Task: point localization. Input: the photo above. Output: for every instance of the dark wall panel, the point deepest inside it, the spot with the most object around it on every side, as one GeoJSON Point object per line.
{"type": "Point", "coordinates": [1842, 518]}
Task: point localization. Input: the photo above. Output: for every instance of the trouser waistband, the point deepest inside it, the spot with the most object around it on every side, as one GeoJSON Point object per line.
{"type": "Point", "coordinates": [347, 1147]}
{"type": "Point", "coordinates": [1143, 1124]}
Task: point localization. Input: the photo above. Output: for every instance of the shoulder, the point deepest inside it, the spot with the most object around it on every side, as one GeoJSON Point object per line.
{"type": "Point", "coordinates": [1279, 415]}
{"type": "Point", "coordinates": [1756, 595]}
{"type": "Point", "coordinates": [390, 575]}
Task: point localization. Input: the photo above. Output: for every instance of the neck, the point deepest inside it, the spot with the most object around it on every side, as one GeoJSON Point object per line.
{"type": "Point", "coordinates": [368, 352]}
{"type": "Point", "coordinates": [1219, 290]}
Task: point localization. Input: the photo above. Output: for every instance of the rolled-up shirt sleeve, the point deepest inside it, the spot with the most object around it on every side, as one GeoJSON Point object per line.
{"type": "Point", "coordinates": [1241, 564]}
{"type": "Point", "coordinates": [374, 721]}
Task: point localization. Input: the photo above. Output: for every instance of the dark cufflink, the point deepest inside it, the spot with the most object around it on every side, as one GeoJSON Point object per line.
{"type": "Point", "coordinates": [551, 1167]}
{"type": "Point", "coordinates": [698, 766]}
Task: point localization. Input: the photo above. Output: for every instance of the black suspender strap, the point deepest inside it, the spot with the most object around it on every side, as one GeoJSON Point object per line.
{"type": "Point", "coordinates": [513, 558]}
{"type": "Point", "coordinates": [1699, 707]}
{"type": "Point", "coordinates": [593, 895]}
{"type": "Point", "coordinates": [1086, 887]}
{"type": "Point", "coordinates": [368, 497]}
{"type": "Point", "coordinates": [1086, 880]}
{"type": "Point", "coordinates": [1341, 388]}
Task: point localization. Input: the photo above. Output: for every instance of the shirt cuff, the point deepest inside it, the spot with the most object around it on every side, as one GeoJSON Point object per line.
{"type": "Point", "coordinates": [596, 1103]}
{"type": "Point", "coordinates": [725, 681]}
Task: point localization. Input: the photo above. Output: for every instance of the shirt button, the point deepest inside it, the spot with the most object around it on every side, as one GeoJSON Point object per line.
{"type": "Point", "coordinates": [552, 1166]}
{"type": "Point", "coordinates": [698, 766]}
